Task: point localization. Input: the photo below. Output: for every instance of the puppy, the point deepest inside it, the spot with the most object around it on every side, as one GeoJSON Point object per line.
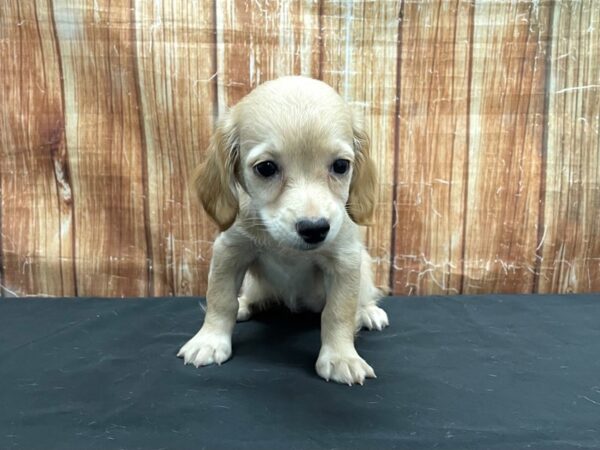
{"type": "Point", "coordinates": [288, 179]}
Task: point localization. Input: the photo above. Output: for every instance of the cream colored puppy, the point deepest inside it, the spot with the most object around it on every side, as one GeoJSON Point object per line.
{"type": "Point", "coordinates": [288, 179]}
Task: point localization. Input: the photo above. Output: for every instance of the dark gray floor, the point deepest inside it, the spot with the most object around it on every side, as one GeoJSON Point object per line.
{"type": "Point", "coordinates": [500, 372]}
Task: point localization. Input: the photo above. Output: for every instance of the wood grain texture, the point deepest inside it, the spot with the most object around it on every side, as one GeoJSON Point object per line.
{"type": "Point", "coordinates": [367, 81]}
{"type": "Point", "coordinates": [97, 47]}
{"type": "Point", "coordinates": [432, 146]}
{"type": "Point", "coordinates": [259, 41]}
{"type": "Point", "coordinates": [484, 119]}
{"type": "Point", "coordinates": [505, 146]}
{"type": "Point", "coordinates": [569, 242]}
{"type": "Point", "coordinates": [176, 79]}
{"type": "Point", "coordinates": [36, 209]}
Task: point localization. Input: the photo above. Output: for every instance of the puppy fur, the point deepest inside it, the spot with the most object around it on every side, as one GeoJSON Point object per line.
{"type": "Point", "coordinates": [298, 127]}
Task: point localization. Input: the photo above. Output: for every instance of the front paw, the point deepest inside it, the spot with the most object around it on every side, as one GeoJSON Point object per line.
{"type": "Point", "coordinates": [345, 367]}
{"type": "Point", "coordinates": [206, 347]}
{"type": "Point", "coordinates": [372, 317]}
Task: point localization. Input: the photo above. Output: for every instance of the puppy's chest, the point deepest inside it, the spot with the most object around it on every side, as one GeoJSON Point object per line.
{"type": "Point", "coordinates": [295, 280]}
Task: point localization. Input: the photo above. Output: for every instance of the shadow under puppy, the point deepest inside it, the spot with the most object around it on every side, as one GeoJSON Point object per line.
{"type": "Point", "coordinates": [288, 179]}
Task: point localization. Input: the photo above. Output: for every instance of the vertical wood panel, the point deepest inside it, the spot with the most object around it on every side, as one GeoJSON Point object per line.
{"type": "Point", "coordinates": [260, 41]}
{"type": "Point", "coordinates": [570, 239]}
{"type": "Point", "coordinates": [506, 130]}
{"type": "Point", "coordinates": [104, 144]}
{"type": "Point", "coordinates": [432, 146]}
{"type": "Point", "coordinates": [36, 226]}
{"type": "Point", "coordinates": [358, 58]}
{"type": "Point", "coordinates": [484, 118]}
{"type": "Point", "coordinates": [175, 62]}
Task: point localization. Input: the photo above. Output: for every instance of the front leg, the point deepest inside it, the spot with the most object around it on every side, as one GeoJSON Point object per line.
{"type": "Point", "coordinates": [338, 359]}
{"type": "Point", "coordinates": [212, 344]}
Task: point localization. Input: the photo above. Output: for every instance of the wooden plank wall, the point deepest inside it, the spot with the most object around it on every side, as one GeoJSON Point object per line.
{"type": "Point", "coordinates": [484, 117]}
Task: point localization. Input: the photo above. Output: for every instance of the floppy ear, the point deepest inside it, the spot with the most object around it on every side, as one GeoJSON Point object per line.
{"type": "Point", "coordinates": [214, 180]}
{"type": "Point", "coordinates": [363, 187]}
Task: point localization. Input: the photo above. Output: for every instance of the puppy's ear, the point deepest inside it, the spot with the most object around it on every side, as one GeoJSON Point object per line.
{"type": "Point", "coordinates": [363, 187]}
{"type": "Point", "coordinates": [214, 181]}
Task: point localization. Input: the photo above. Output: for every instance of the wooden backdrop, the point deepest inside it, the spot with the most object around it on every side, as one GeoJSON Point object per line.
{"type": "Point", "coordinates": [484, 117]}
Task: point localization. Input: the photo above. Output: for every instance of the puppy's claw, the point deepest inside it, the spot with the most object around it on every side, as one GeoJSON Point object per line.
{"type": "Point", "coordinates": [373, 318]}
{"type": "Point", "coordinates": [370, 371]}
{"type": "Point", "coordinates": [347, 368]}
{"type": "Point", "coordinates": [206, 348]}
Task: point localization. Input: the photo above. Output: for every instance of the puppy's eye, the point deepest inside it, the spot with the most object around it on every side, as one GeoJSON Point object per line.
{"type": "Point", "coordinates": [340, 166]}
{"type": "Point", "coordinates": [266, 169]}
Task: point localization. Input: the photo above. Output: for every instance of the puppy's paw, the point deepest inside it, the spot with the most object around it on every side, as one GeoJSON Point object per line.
{"type": "Point", "coordinates": [372, 317]}
{"type": "Point", "coordinates": [244, 311]}
{"type": "Point", "coordinates": [347, 367]}
{"type": "Point", "coordinates": [206, 347]}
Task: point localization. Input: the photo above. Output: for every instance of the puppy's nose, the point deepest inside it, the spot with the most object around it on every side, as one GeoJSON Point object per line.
{"type": "Point", "coordinates": [312, 231]}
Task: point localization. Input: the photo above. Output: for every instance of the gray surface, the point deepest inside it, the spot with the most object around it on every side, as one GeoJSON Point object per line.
{"type": "Point", "coordinates": [464, 372]}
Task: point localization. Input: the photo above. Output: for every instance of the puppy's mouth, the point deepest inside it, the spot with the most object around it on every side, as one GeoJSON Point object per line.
{"type": "Point", "coordinates": [294, 242]}
{"type": "Point", "coordinates": [307, 247]}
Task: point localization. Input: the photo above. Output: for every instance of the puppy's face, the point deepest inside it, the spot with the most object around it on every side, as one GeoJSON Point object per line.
{"type": "Point", "coordinates": [293, 158]}
{"type": "Point", "coordinates": [298, 184]}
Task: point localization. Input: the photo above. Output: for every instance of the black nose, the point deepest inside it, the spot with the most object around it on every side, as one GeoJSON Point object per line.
{"type": "Point", "coordinates": [312, 231]}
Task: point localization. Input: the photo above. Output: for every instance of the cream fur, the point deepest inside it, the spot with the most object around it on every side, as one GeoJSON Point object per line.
{"type": "Point", "coordinates": [303, 126]}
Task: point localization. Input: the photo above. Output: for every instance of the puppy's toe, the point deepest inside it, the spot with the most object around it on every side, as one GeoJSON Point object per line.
{"type": "Point", "coordinates": [206, 348]}
{"type": "Point", "coordinates": [347, 369]}
{"type": "Point", "coordinates": [373, 318]}
{"type": "Point", "coordinates": [244, 309]}
{"type": "Point", "coordinates": [244, 313]}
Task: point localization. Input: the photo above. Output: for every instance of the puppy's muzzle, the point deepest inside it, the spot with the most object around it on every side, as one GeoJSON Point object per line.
{"type": "Point", "coordinates": [312, 231]}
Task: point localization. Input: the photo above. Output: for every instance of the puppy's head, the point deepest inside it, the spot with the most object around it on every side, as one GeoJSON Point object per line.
{"type": "Point", "coordinates": [293, 155]}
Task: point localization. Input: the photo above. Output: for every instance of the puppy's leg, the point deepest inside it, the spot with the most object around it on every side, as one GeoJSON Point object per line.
{"type": "Point", "coordinates": [255, 295]}
{"type": "Point", "coordinates": [338, 359]}
{"type": "Point", "coordinates": [212, 344]}
{"type": "Point", "coordinates": [369, 315]}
